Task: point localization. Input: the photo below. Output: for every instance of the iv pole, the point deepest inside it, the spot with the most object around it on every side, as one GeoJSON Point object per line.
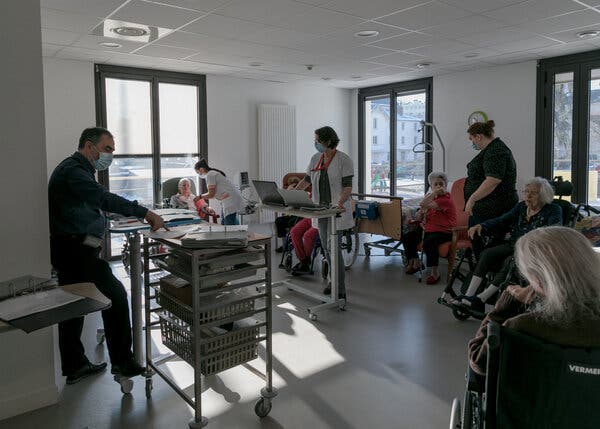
{"type": "Point", "coordinates": [428, 147]}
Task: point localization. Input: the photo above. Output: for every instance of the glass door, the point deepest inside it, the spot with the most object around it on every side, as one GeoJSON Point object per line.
{"type": "Point", "coordinates": [389, 127]}
{"type": "Point", "coordinates": [377, 145]}
{"type": "Point", "coordinates": [410, 165]}
{"type": "Point", "coordinates": [593, 121]}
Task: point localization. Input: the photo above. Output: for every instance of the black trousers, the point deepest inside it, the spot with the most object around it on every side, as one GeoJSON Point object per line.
{"type": "Point", "coordinates": [431, 241]}
{"type": "Point", "coordinates": [283, 224]}
{"type": "Point", "coordinates": [496, 259]}
{"type": "Point", "coordinates": [478, 243]}
{"type": "Point", "coordinates": [76, 263]}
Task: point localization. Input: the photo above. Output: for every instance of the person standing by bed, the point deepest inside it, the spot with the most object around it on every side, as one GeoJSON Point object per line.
{"type": "Point", "coordinates": [330, 172]}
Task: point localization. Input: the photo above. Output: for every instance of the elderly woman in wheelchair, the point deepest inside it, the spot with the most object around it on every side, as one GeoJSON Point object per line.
{"type": "Point", "coordinates": [540, 357]}
{"type": "Point", "coordinates": [535, 211]}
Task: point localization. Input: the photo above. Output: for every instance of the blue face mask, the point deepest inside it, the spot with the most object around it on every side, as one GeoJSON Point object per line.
{"type": "Point", "coordinates": [474, 146]}
{"type": "Point", "coordinates": [104, 161]}
{"type": "Point", "coordinates": [319, 147]}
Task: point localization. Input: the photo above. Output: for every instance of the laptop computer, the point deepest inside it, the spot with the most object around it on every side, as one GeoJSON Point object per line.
{"type": "Point", "coordinates": [267, 192]}
{"type": "Point", "coordinates": [299, 199]}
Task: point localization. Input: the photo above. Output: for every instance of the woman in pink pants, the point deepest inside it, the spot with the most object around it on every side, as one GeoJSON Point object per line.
{"type": "Point", "coordinates": [303, 236]}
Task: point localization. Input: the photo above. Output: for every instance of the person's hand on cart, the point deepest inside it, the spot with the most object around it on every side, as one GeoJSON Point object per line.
{"type": "Point", "coordinates": [156, 222]}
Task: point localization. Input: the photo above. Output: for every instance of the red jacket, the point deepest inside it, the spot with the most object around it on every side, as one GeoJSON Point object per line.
{"type": "Point", "coordinates": [442, 219]}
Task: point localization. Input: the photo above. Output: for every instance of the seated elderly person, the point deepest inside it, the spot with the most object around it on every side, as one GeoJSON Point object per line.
{"type": "Point", "coordinates": [303, 235]}
{"type": "Point", "coordinates": [438, 216]}
{"type": "Point", "coordinates": [562, 302]}
{"type": "Point", "coordinates": [535, 211]}
{"type": "Point", "coordinates": [184, 199]}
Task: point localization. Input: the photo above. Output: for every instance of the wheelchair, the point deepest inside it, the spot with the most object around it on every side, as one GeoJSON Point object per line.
{"type": "Point", "coordinates": [349, 245]}
{"type": "Point", "coordinates": [556, 388]}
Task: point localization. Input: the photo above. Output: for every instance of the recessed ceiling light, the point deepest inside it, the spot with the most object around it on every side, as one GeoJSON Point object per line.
{"type": "Point", "coordinates": [256, 64]}
{"type": "Point", "coordinates": [326, 78]}
{"type": "Point", "coordinates": [367, 33]}
{"type": "Point", "coordinates": [110, 44]}
{"type": "Point", "coordinates": [588, 34]}
{"type": "Point", "coordinates": [472, 55]}
{"type": "Point", "coordinates": [423, 65]}
{"type": "Point", "coordinates": [130, 31]}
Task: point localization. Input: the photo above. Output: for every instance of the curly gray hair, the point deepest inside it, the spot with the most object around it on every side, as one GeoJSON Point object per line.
{"type": "Point", "coordinates": [544, 188]}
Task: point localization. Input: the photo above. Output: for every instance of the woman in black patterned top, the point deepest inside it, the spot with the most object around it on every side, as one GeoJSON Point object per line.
{"type": "Point", "coordinates": [491, 178]}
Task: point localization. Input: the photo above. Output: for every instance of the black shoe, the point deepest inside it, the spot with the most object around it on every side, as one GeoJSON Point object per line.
{"type": "Point", "coordinates": [341, 296]}
{"type": "Point", "coordinates": [279, 249]}
{"type": "Point", "coordinates": [474, 303]}
{"type": "Point", "coordinates": [327, 290]}
{"type": "Point", "coordinates": [128, 369]}
{"type": "Point", "coordinates": [85, 371]}
{"type": "Point", "coordinates": [301, 268]}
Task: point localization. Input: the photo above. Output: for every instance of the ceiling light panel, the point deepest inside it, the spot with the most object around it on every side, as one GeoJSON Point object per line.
{"type": "Point", "coordinates": [123, 30]}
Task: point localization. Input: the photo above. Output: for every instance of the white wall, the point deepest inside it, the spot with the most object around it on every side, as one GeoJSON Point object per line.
{"type": "Point", "coordinates": [69, 100]}
{"type": "Point", "coordinates": [26, 361]}
{"type": "Point", "coordinates": [506, 94]}
{"type": "Point", "coordinates": [232, 118]}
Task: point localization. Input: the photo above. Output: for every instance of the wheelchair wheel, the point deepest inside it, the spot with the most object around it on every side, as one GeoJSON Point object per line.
{"type": "Point", "coordinates": [287, 262]}
{"type": "Point", "coordinates": [350, 245]}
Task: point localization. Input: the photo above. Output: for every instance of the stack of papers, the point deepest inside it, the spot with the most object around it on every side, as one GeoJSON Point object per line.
{"type": "Point", "coordinates": [216, 236]}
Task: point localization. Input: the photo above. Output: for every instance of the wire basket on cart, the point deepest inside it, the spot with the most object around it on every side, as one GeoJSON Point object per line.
{"type": "Point", "coordinates": [220, 350]}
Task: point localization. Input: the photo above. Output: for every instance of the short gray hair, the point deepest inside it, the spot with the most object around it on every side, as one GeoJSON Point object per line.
{"type": "Point", "coordinates": [437, 175]}
{"type": "Point", "coordinates": [182, 181]}
{"type": "Point", "coordinates": [568, 269]}
{"type": "Point", "coordinates": [545, 189]}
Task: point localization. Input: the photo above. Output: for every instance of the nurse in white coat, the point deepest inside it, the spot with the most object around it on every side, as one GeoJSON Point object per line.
{"type": "Point", "coordinates": [222, 189]}
{"type": "Point", "coordinates": [330, 173]}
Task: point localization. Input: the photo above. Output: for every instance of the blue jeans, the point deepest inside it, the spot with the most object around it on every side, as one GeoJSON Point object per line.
{"type": "Point", "coordinates": [230, 219]}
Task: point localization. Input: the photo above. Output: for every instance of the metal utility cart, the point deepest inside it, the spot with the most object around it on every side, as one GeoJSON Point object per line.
{"type": "Point", "coordinates": [211, 335]}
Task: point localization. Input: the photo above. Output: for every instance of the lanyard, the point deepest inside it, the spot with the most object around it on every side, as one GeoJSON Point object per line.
{"type": "Point", "coordinates": [321, 165]}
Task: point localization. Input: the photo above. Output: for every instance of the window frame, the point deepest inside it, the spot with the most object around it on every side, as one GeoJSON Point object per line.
{"type": "Point", "coordinates": [581, 66]}
{"type": "Point", "coordinates": [392, 91]}
{"type": "Point", "coordinates": [154, 77]}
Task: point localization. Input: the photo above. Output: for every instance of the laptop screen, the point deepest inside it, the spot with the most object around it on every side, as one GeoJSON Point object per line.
{"type": "Point", "coordinates": [267, 192]}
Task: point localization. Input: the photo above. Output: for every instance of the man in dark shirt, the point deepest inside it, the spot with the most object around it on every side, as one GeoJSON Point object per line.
{"type": "Point", "coordinates": [77, 225]}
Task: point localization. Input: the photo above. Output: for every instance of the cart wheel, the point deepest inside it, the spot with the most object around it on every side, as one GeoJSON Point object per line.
{"type": "Point", "coordinates": [312, 316]}
{"type": "Point", "coordinates": [263, 407]}
{"type": "Point", "coordinates": [148, 387]}
{"type": "Point", "coordinates": [126, 385]}
{"type": "Point", "coordinates": [367, 250]}
{"type": "Point", "coordinates": [100, 336]}
{"type": "Point", "coordinates": [459, 314]}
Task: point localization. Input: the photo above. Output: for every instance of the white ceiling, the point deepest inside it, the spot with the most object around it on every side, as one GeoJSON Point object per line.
{"type": "Point", "coordinates": [225, 36]}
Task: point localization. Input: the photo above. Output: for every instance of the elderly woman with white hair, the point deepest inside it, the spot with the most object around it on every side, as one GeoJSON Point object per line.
{"type": "Point", "coordinates": [562, 302]}
{"type": "Point", "coordinates": [535, 211]}
{"type": "Point", "coordinates": [184, 199]}
{"type": "Point", "coordinates": [438, 216]}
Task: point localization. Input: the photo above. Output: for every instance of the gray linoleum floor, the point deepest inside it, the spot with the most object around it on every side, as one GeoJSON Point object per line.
{"type": "Point", "coordinates": [395, 359]}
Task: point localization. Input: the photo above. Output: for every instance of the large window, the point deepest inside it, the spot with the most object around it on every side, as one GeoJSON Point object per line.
{"type": "Point", "coordinates": [158, 120]}
{"type": "Point", "coordinates": [392, 167]}
{"type": "Point", "coordinates": [568, 123]}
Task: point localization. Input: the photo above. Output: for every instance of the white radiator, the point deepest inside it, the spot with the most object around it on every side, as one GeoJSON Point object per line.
{"type": "Point", "coordinates": [276, 144]}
